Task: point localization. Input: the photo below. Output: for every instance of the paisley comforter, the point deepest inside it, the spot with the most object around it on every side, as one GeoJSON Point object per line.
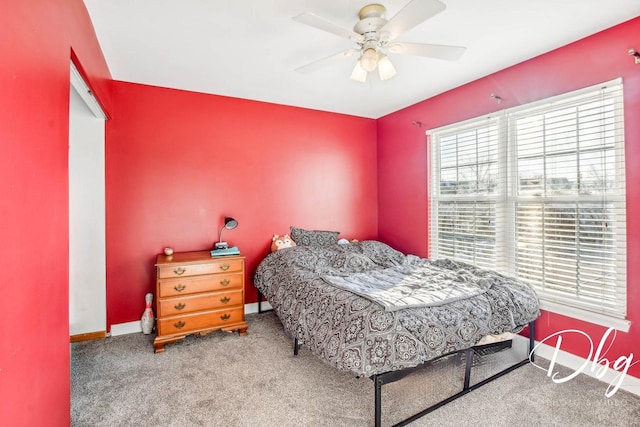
{"type": "Point", "coordinates": [355, 334]}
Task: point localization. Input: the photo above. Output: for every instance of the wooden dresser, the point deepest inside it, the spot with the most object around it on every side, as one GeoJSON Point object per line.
{"type": "Point", "coordinates": [196, 293]}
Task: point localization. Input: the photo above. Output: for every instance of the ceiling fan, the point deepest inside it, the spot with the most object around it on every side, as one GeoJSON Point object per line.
{"type": "Point", "coordinates": [374, 36]}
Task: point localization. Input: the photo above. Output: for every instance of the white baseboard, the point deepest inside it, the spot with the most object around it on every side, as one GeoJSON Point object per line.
{"type": "Point", "coordinates": [126, 328]}
{"type": "Point", "coordinates": [135, 326]}
{"type": "Point", "coordinates": [253, 307]}
{"type": "Point", "coordinates": [571, 361]}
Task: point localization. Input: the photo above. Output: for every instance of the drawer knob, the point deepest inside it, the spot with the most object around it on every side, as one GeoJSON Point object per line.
{"type": "Point", "coordinates": [225, 282]}
{"type": "Point", "coordinates": [180, 306]}
{"type": "Point", "coordinates": [180, 271]}
{"type": "Point", "coordinates": [225, 300]}
{"type": "Point", "coordinates": [224, 267]}
{"type": "Point", "coordinates": [179, 325]}
{"type": "Point", "coordinates": [225, 316]}
{"type": "Point", "coordinates": [179, 287]}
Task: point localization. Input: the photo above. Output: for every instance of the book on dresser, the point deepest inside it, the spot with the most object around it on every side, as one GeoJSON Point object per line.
{"type": "Point", "coordinates": [197, 294]}
{"type": "Point", "coordinates": [225, 252]}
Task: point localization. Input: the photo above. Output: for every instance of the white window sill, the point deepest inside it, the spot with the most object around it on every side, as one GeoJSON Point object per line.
{"type": "Point", "coordinates": [621, 325]}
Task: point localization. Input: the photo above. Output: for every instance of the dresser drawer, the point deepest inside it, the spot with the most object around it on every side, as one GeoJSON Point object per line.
{"type": "Point", "coordinates": [175, 287]}
{"type": "Point", "coordinates": [212, 267]}
{"type": "Point", "coordinates": [196, 321]}
{"type": "Point", "coordinates": [199, 302]}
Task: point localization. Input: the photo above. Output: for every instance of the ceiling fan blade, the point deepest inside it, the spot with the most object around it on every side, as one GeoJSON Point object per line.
{"type": "Point", "coordinates": [414, 13]}
{"type": "Point", "coordinates": [449, 53]}
{"type": "Point", "coordinates": [315, 21]}
{"type": "Point", "coordinates": [320, 63]}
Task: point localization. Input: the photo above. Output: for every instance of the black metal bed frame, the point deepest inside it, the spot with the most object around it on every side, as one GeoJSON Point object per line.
{"type": "Point", "coordinates": [388, 377]}
{"type": "Point", "coordinates": [392, 376]}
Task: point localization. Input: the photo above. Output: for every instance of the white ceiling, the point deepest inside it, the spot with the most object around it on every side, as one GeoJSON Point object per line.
{"type": "Point", "coordinates": [250, 48]}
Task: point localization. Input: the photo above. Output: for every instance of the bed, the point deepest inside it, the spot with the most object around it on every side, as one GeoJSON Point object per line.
{"type": "Point", "coordinates": [329, 298]}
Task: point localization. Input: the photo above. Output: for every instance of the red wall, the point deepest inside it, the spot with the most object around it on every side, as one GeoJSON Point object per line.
{"type": "Point", "coordinates": [36, 38]}
{"type": "Point", "coordinates": [402, 154]}
{"type": "Point", "coordinates": [178, 162]}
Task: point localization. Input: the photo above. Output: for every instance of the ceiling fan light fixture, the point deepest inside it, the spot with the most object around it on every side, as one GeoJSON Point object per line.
{"type": "Point", "coordinates": [369, 60]}
{"type": "Point", "coordinates": [359, 73]}
{"type": "Point", "coordinates": [386, 68]}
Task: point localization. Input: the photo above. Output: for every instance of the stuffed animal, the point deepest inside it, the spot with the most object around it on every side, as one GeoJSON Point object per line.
{"type": "Point", "coordinates": [280, 242]}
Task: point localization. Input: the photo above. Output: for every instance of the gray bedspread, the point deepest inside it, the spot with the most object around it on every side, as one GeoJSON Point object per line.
{"type": "Point", "coordinates": [358, 335]}
{"type": "Point", "coordinates": [414, 283]}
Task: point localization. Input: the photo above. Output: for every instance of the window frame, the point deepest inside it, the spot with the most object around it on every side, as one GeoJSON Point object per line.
{"type": "Point", "coordinates": [505, 235]}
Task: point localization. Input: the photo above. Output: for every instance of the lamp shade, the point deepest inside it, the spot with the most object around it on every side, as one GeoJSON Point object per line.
{"type": "Point", "coordinates": [230, 223]}
{"type": "Point", "coordinates": [386, 68]}
{"type": "Point", "coordinates": [359, 73]}
{"type": "Point", "coordinates": [369, 60]}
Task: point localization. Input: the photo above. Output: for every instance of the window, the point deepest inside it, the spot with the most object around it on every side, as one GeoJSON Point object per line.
{"type": "Point", "coordinates": [538, 192]}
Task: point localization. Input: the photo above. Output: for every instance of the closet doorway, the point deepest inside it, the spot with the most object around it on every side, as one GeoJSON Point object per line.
{"type": "Point", "coordinates": [87, 243]}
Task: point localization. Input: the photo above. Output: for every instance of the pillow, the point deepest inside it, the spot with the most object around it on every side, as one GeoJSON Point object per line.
{"type": "Point", "coordinates": [281, 242]}
{"type": "Point", "coordinates": [314, 237]}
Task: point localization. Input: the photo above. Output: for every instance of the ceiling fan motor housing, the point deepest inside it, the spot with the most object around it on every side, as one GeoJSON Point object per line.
{"type": "Point", "coordinates": [371, 21]}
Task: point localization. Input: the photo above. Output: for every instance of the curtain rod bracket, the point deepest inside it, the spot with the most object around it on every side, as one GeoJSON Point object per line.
{"type": "Point", "coordinates": [635, 54]}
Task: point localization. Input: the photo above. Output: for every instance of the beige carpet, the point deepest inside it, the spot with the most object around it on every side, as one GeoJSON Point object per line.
{"type": "Point", "coordinates": [223, 379]}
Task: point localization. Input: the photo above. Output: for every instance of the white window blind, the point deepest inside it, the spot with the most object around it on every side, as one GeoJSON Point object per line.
{"type": "Point", "coordinates": [538, 193]}
{"type": "Point", "coordinates": [469, 192]}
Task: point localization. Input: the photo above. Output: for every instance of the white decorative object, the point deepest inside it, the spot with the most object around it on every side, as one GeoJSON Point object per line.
{"type": "Point", "coordinates": [148, 319]}
{"type": "Point", "coordinates": [168, 251]}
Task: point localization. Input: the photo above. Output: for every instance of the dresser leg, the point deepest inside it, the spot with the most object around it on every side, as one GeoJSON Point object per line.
{"type": "Point", "coordinates": [242, 330]}
{"type": "Point", "coordinates": [158, 345]}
